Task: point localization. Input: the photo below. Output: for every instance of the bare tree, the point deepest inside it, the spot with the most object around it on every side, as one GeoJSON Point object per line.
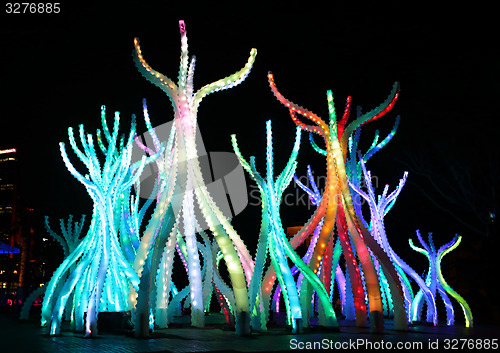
{"type": "Point", "coordinates": [465, 188]}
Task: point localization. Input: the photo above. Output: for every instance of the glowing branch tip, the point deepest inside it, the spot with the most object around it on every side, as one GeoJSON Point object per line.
{"type": "Point", "coordinates": [182, 26]}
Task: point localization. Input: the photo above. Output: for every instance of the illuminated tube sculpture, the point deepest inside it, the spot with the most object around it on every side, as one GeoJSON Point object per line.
{"type": "Point", "coordinates": [435, 281]}
{"type": "Point", "coordinates": [379, 206]}
{"type": "Point", "coordinates": [158, 241]}
{"type": "Point", "coordinates": [279, 248]}
{"type": "Point", "coordinates": [69, 241]}
{"type": "Point", "coordinates": [270, 231]}
{"type": "Point", "coordinates": [102, 276]}
{"type": "Point", "coordinates": [337, 206]}
{"type": "Point", "coordinates": [354, 175]}
{"type": "Point", "coordinates": [334, 252]}
{"type": "Point", "coordinates": [185, 102]}
{"type": "Point", "coordinates": [353, 166]}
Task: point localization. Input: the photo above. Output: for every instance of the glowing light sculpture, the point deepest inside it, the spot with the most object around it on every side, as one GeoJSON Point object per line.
{"type": "Point", "coordinates": [279, 248]}
{"type": "Point", "coordinates": [68, 240]}
{"type": "Point", "coordinates": [337, 206]}
{"type": "Point", "coordinates": [154, 254]}
{"type": "Point", "coordinates": [354, 175]}
{"type": "Point", "coordinates": [379, 206]}
{"type": "Point", "coordinates": [332, 257]}
{"type": "Point", "coordinates": [436, 282]}
{"type": "Point", "coordinates": [102, 275]}
{"type": "Point", "coordinates": [185, 102]}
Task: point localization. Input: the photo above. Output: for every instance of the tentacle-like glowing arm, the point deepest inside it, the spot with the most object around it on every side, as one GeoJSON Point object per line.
{"type": "Point", "coordinates": [84, 158]}
{"type": "Point", "coordinates": [315, 145]}
{"type": "Point", "coordinates": [314, 197]}
{"type": "Point", "coordinates": [190, 81]}
{"type": "Point", "coordinates": [391, 199]}
{"type": "Point", "coordinates": [183, 67]}
{"type": "Point", "coordinates": [153, 76]}
{"type": "Point", "coordinates": [320, 126]}
{"type": "Point", "coordinates": [226, 82]}
{"type": "Point", "coordinates": [156, 141]}
{"type": "Point", "coordinates": [427, 249]}
{"type": "Point", "coordinates": [445, 249]}
{"type": "Point", "coordinates": [86, 182]}
{"type": "Point", "coordinates": [253, 173]}
{"type": "Point", "coordinates": [418, 249]}
{"type": "Point", "coordinates": [341, 124]}
{"type": "Point", "coordinates": [376, 147]}
{"type": "Point", "coordinates": [285, 176]}
{"type": "Point", "coordinates": [323, 130]}
{"type": "Point", "coordinates": [60, 240]}
{"type": "Point", "coordinates": [370, 116]}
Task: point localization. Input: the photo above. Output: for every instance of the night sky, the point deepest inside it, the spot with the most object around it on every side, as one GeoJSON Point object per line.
{"type": "Point", "coordinates": [57, 70]}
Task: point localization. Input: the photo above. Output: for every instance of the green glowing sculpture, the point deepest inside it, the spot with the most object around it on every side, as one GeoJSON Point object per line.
{"type": "Point", "coordinates": [278, 245]}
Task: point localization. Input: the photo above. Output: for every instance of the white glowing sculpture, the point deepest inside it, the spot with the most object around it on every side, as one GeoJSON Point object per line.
{"type": "Point", "coordinates": [190, 185]}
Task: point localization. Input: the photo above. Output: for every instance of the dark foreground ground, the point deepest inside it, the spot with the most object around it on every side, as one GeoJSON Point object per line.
{"type": "Point", "coordinates": [26, 336]}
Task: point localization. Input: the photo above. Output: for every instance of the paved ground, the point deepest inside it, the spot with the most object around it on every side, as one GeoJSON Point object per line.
{"type": "Point", "coordinates": [26, 336]}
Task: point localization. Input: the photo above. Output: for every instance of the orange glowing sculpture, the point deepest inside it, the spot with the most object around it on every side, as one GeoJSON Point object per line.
{"type": "Point", "coordinates": [336, 207]}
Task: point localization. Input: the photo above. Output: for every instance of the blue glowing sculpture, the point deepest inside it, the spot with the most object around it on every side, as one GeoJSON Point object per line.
{"type": "Point", "coordinates": [69, 241]}
{"type": "Point", "coordinates": [102, 274]}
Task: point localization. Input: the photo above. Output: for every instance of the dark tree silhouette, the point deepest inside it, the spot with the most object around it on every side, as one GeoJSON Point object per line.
{"type": "Point", "coordinates": [459, 181]}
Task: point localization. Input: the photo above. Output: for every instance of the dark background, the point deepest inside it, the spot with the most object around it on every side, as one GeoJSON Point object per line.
{"type": "Point", "coordinates": [58, 69]}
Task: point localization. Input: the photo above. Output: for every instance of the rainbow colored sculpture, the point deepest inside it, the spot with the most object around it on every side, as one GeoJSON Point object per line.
{"type": "Point", "coordinates": [123, 264]}
{"type": "Point", "coordinates": [336, 206]}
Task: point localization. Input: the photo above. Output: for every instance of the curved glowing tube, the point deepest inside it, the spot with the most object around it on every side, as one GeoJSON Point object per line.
{"type": "Point", "coordinates": [465, 307]}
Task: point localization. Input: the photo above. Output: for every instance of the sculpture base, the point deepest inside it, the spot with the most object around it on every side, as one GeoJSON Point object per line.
{"type": "Point", "coordinates": [141, 329]}
{"type": "Point", "coordinates": [361, 318]}
{"type": "Point", "coordinates": [376, 322]}
{"type": "Point", "coordinates": [243, 324]}
{"type": "Point", "coordinates": [298, 326]}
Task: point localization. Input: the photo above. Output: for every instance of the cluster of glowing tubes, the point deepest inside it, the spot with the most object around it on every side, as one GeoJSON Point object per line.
{"type": "Point", "coordinates": [436, 282]}
{"type": "Point", "coordinates": [121, 265]}
{"type": "Point", "coordinates": [117, 268]}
